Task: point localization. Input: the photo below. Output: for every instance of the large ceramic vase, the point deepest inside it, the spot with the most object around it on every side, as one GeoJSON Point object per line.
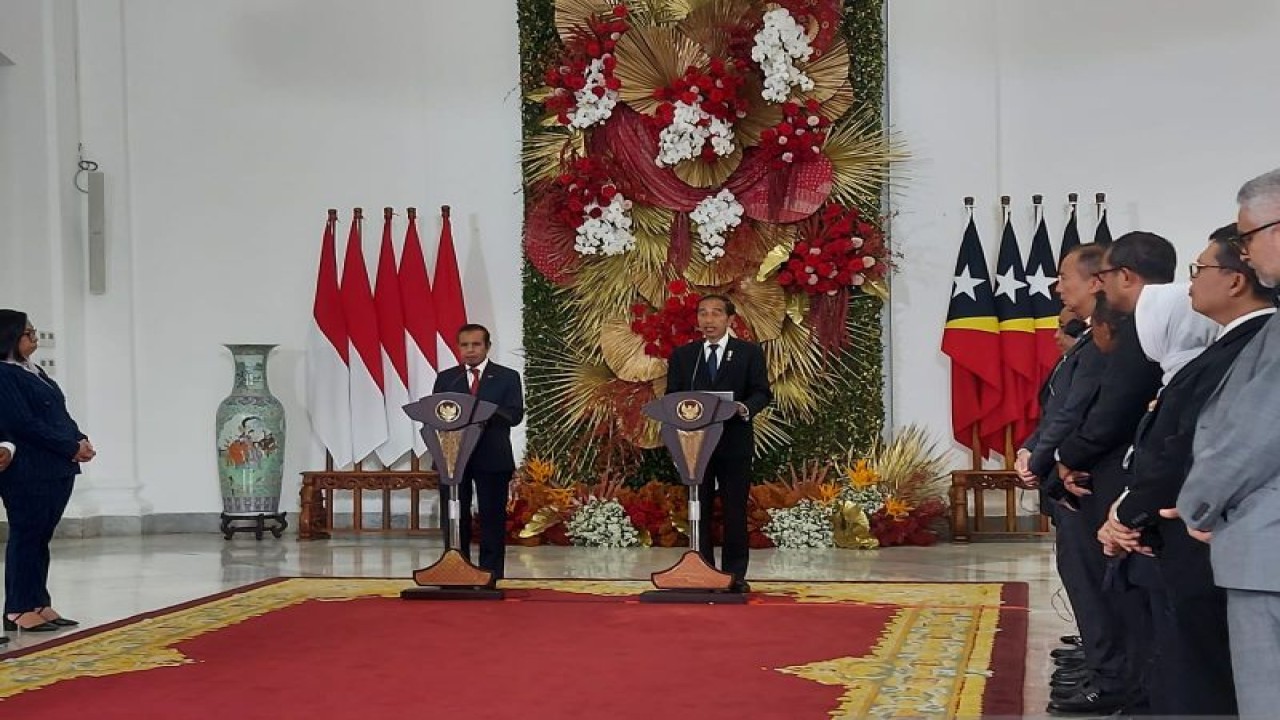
{"type": "Point", "coordinates": [251, 430]}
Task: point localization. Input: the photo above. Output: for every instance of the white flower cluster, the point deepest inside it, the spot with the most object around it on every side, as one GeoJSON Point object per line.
{"type": "Point", "coordinates": [609, 234]}
{"type": "Point", "coordinates": [778, 45]}
{"type": "Point", "coordinates": [602, 523]}
{"type": "Point", "coordinates": [689, 132]}
{"type": "Point", "coordinates": [870, 499]}
{"type": "Point", "coordinates": [714, 217]}
{"type": "Point", "coordinates": [807, 524]}
{"type": "Point", "coordinates": [593, 108]}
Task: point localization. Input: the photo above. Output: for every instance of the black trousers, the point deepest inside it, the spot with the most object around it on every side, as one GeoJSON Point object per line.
{"type": "Point", "coordinates": [491, 490]}
{"type": "Point", "coordinates": [729, 478]}
{"type": "Point", "coordinates": [1191, 673]}
{"type": "Point", "coordinates": [34, 510]}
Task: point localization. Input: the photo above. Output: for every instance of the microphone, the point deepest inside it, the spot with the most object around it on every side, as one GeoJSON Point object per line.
{"type": "Point", "coordinates": [693, 375]}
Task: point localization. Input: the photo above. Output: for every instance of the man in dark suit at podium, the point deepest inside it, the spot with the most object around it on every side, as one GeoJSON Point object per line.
{"type": "Point", "coordinates": [722, 363]}
{"type": "Point", "coordinates": [492, 462]}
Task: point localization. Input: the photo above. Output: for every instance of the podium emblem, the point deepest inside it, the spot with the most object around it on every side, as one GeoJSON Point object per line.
{"type": "Point", "coordinates": [448, 411]}
{"type": "Point", "coordinates": [690, 410]}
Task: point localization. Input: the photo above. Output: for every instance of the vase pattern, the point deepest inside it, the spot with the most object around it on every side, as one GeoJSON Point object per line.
{"type": "Point", "coordinates": [251, 432]}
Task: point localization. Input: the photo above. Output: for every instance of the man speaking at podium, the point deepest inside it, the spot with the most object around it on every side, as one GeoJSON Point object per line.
{"type": "Point", "coordinates": [492, 462]}
{"type": "Point", "coordinates": [719, 363]}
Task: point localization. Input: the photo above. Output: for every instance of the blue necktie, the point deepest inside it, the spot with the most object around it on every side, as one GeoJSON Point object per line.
{"type": "Point", "coordinates": [712, 364]}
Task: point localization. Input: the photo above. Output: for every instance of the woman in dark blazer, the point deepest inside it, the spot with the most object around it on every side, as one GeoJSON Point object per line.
{"type": "Point", "coordinates": [36, 486]}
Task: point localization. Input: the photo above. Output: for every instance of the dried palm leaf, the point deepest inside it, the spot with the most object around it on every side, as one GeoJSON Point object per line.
{"type": "Point", "coordinates": [762, 305]}
{"type": "Point", "coordinates": [761, 113]}
{"type": "Point", "coordinates": [545, 151]}
{"type": "Point", "coordinates": [652, 220]}
{"type": "Point", "coordinates": [572, 15]}
{"type": "Point", "coordinates": [624, 353]}
{"type": "Point", "coordinates": [828, 72]}
{"type": "Point", "coordinates": [744, 252]}
{"type": "Point", "coordinates": [911, 467]}
{"type": "Point", "coordinates": [835, 106]}
{"type": "Point", "coordinates": [647, 266]}
{"type": "Point", "coordinates": [860, 155]}
{"type": "Point", "coordinates": [771, 432]}
{"type": "Point", "coordinates": [702, 174]}
{"type": "Point", "coordinates": [604, 292]}
{"type": "Point", "coordinates": [713, 23]}
{"type": "Point", "coordinates": [793, 350]}
{"type": "Point", "coordinates": [650, 58]}
{"type": "Point", "coordinates": [794, 396]}
{"type": "Point", "coordinates": [647, 13]}
{"type": "Point", "coordinates": [774, 259]}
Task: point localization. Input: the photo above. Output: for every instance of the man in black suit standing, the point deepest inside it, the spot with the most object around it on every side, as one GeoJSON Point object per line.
{"type": "Point", "coordinates": [722, 363]}
{"type": "Point", "coordinates": [492, 462]}
{"type": "Point", "coordinates": [1091, 465]}
{"type": "Point", "coordinates": [1189, 614]}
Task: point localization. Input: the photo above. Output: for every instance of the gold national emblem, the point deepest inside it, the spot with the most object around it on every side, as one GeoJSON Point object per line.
{"type": "Point", "coordinates": [689, 410]}
{"type": "Point", "coordinates": [448, 411]}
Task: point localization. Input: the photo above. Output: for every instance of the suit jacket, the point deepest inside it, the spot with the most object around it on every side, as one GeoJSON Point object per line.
{"type": "Point", "coordinates": [1162, 457]}
{"type": "Point", "coordinates": [741, 369]}
{"type": "Point", "coordinates": [501, 386]}
{"type": "Point", "coordinates": [33, 415]}
{"type": "Point", "coordinates": [1066, 396]}
{"type": "Point", "coordinates": [1233, 488]}
{"type": "Point", "coordinates": [1128, 382]}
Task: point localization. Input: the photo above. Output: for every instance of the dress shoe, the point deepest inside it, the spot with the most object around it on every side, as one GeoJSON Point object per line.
{"type": "Point", "coordinates": [740, 586]}
{"type": "Point", "coordinates": [1071, 640]}
{"type": "Point", "coordinates": [1088, 700]}
{"type": "Point", "coordinates": [12, 624]}
{"type": "Point", "coordinates": [59, 621]}
{"type": "Point", "coordinates": [1070, 678]}
{"type": "Point", "coordinates": [4, 640]}
{"type": "Point", "coordinates": [1064, 653]}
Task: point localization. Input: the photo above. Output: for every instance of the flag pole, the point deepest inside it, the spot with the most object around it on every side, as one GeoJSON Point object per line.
{"type": "Point", "coordinates": [1100, 201]}
{"type": "Point", "coordinates": [1004, 206]}
{"type": "Point", "coordinates": [1037, 201]}
{"type": "Point", "coordinates": [1008, 429]}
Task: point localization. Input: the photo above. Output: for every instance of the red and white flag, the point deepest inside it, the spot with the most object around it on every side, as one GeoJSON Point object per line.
{"type": "Point", "coordinates": [368, 411]}
{"type": "Point", "coordinates": [446, 288]}
{"type": "Point", "coordinates": [419, 320]}
{"type": "Point", "coordinates": [395, 368]}
{"type": "Point", "coordinates": [328, 377]}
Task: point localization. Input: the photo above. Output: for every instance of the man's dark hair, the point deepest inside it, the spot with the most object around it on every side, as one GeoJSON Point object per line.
{"type": "Point", "coordinates": [1088, 257]}
{"type": "Point", "coordinates": [1150, 256]}
{"type": "Point", "coordinates": [1227, 254]}
{"type": "Point", "coordinates": [729, 309]}
{"type": "Point", "coordinates": [1074, 328]}
{"type": "Point", "coordinates": [473, 327]}
{"type": "Point", "coordinates": [13, 325]}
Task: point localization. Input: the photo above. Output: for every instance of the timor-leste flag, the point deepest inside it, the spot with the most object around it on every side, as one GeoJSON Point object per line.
{"type": "Point", "coordinates": [1102, 233]}
{"type": "Point", "coordinates": [1019, 377]}
{"type": "Point", "coordinates": [1070, 235]}
{"type": "Point", "coordinates": [972, 341]}
{"type": "Point", "coordinates": [1045, 304]}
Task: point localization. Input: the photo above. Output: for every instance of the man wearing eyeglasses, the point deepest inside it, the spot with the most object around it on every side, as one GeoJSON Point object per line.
{"type": "Point", "coordinates": [1231, 497]}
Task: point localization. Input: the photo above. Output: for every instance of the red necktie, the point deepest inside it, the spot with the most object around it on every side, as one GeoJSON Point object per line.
{"type": "Point", "coordinates": [475, 380]}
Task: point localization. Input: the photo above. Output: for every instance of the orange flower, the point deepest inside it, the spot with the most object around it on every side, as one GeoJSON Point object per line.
{"type": "Point", "coordinates": [539, 471]}
{"type": "Point", "coordinates": [897, 509]}
{"type": "Point", "coordinates": [862, 476]}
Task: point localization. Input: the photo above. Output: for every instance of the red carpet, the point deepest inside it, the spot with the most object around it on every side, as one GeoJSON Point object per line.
{"type": "Point", "coordinates": [321, 648]}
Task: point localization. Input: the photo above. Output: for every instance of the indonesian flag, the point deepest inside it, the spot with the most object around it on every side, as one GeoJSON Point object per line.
{"type": "Point", "coordinates": [419, 320]}
{"type": "Point", "coordinates": [395, 366]}
{"type": "Point", "coordinates": [328, 377]}
{"type": "Point", "coordinates": [368, 411]}
{"type": "Point", "coordinates": [451, 309]}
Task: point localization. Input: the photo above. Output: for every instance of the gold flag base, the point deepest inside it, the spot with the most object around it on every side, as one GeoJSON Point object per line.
{"type": "Point", "coordinates": [452, 577]}
{"type": "Point", "coordinates": [692, 580]}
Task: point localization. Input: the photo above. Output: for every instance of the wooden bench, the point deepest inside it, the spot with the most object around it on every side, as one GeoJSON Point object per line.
{"type": "Point", "coordinates": [315, 521]}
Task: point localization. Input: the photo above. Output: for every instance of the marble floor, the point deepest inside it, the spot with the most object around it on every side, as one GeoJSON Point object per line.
{"type": "Point", "coordinates": [100, 580]}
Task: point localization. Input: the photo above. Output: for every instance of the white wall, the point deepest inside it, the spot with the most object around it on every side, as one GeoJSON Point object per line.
{"type": "Point", "coordinates": [227, 127]}
{"type": "Point", "coordinates": [1166, 107]}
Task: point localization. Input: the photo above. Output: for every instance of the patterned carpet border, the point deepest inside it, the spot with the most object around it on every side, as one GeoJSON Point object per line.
{"type": "Point", "coordinates": [936, 657]}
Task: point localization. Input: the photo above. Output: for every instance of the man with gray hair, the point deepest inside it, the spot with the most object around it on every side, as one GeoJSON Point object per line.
{"type": "Point", "coordinates": [1231, 497]}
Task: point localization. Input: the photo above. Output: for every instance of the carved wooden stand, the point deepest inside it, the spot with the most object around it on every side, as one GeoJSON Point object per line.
{"type": "Point", "coordinates": [231, 524]}
{"type": "Point", "coordinates": [318, 487]}
{"type": "Point", "coordinates": [979, 480]}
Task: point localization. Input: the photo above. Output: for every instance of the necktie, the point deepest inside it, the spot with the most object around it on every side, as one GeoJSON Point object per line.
{"type": "Point", "coordinates": [475, 380]}
{"type": "Point", "coordinates": [713, 364]}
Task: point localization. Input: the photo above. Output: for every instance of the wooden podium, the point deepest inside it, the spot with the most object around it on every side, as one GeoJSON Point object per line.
{"type": "Point", "coordinates": [692, 423]}
{"type": "Point", "coordinates": [451, 426]}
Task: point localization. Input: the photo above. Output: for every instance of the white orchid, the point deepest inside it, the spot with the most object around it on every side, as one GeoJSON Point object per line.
{"type": "Point", "coordinates": [608, 234]}
{"type": "Point", "coordinates": [690, 130]}
{"type": "Point", "coordinates": [593, 108]}
{"type": "Point", "coordinates": [713, 218]}
{"type": "Point", "coordinates": [602, 523]}
{"type": "Point", "coordinates": [779, 44]}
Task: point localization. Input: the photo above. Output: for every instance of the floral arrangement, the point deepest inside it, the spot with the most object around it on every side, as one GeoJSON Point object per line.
{"type": "Point", "coordinates": [715, 217]}
{"type": "Point", "coordinates": [779, 44]}
{"type": "Point", "coordinates": [602, 523]}
{"type": "Point", "coordinates": [698, 111]}
{"type": "Point", "coordinates": [699, 143]}
{"type": "Point", "coordinates": [839, 250]}
{"type": "Point", "coordinates": [807, 524]}
{"type": "Point", "coordinates": [895, 496]}
{"type": "Point", "coordinates": [583, 89]}
{"type": "Point", "coordinates": [675, 324]}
